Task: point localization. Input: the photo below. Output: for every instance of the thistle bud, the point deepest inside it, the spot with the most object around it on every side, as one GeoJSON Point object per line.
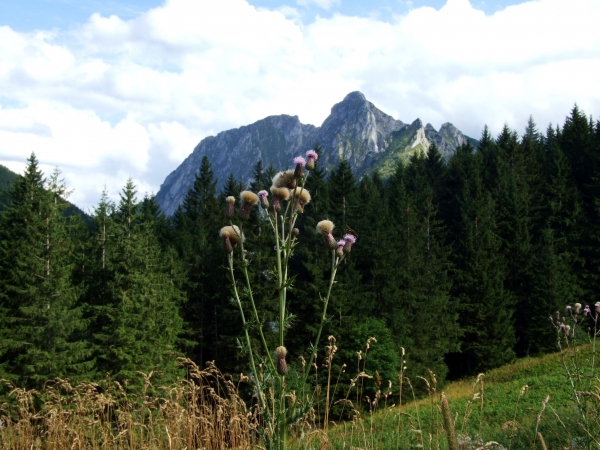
{"type": "Point", "coordinates": [295, 232]}
{"type": "Point", "coordinates": [330, 242]}
{"type": "Point", "coordinates": [230, 209]}
{"type": "Point", "coordinates": [280, 353]}
{"type": "Point", "coordinates": [300, 163]}
{"type": "Point", "coordinates": [339, 252]}
{"type": "Point", "coordinates": [249, 199]}
{"type": "Point", "coordinates": [262, 195]}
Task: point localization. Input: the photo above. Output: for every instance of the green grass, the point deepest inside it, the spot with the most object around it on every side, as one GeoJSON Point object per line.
{"type": "Point", "coordinates": [504, 416]}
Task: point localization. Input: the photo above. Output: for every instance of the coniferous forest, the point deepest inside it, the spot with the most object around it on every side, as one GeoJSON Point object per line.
{"type": "Point", "coordinates": [460, 262]}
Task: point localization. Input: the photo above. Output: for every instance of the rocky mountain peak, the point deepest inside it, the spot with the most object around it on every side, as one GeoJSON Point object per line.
{"type": "Point", "coordinates": [356, 130]}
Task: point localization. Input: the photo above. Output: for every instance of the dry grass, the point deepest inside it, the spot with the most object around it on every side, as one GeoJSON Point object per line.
{"type": "Point", "coordinates": [204, 411]}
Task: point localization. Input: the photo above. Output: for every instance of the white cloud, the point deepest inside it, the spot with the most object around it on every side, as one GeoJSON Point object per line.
{"type": "Point", "coordinates": [117, 98]}
{"type": "Point", "coordinates": [325, 4]}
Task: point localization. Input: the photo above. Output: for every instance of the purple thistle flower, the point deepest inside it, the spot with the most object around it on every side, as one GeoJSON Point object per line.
{"type": "Point", "coordinates": [586, 310]}
{"type": "Point", "coordinates": [311, 154]}
{"type": "Point", "coordinates": [598, 307]}
{"type": "Point", "coordinates": [341, 243]}
{"type": "Point", "coordinates": [350, 238]}
{"type": "Point", "coordinates": [300, 161]}
{"type": "Point", "coordinates": [264, 203]}
{"type": "Point", "coordinates": [569, 308]}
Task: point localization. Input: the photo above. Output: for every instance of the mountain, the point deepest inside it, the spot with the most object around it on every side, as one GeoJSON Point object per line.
{"type": "Point", "coordinates": [355, 130]}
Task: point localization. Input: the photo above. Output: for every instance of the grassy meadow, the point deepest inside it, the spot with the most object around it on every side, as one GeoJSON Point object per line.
{"type": "Point", "coordinates": [523, 405]}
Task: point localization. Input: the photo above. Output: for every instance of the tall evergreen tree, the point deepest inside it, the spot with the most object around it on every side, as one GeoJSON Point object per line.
{"type": "Point", "coordinates": [140, 320]}
{"type": "Point", "coordinates": [39, 301]}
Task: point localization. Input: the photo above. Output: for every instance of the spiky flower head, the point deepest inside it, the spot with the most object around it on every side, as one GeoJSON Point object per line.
{"type": "Point", "coordinates": [230, 209]}
{"type": "Point", "coordinates": [249, 199]}
{"type": "Point", "coordinates": [586, 310]}
{"type": "Point", "coordinates": [300, 163]}
{"type": "Point", "coordinates": [312, 157]}
{"type": "Point", "coordinates": [284, 179]}
{"type": "Point", "coordinates": [280, 353]}
{"type": "Point", "coordinates": [339, 251]}
{"type": "Point", "coordinates": [302, 198]}
{"type": "Point", "coordinates": [569, 308]}
{"type": "Point", "coordinates": [325, 226]}
{"type": "Point", "coordinates": [349, 239]}
{"type": "Point", "coordinates": [231, 236]}
{"type": "Point", "coordinates": [279, 194]}
{"type": "Point", "coordinates": [264, 203]}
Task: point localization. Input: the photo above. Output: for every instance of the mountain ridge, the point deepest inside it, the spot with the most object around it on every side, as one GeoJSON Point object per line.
{"type": "Point", "coordinates": [356, 130]}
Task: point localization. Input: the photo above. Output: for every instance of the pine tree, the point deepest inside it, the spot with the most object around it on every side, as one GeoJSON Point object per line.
{"type": "Point", "coordinates": [140, 318]}
{"type": "Point", "coordinates": [486, 308]}
{"type": "Point", "coordinates": [40, 302]}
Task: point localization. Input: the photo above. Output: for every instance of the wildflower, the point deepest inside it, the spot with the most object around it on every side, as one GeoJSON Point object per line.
{"type": "Point", "coordinates": [569, 308]}
{"type": "Point", "coordinates": [302, 197]}
{"type": "Point", "coordinates": [284, 179]}
{"type": "Point", "coordinates": [279, 194]}
{"type": "Point", "coordinates": [598, 307]}
{"type": "Point", "coordinates": [577, 308]}
{"type": "Point", "coordinates": [565, 329]}
{"type": "Point", "coordinates": [231, 237]}
{"type": "Point", "coordinates": [339, 252]}
{"type": "Point", "coordinates": [325, 227]}
{"type": "Point", "coordinates": [280, 353]}
{"type": "Point", "coordinates": [230, 210]}
{"type": "Point", "coordinates": [295, 231]}
{"type": "Point", "coordinates": [349, 239]}
{"type": "Point", "coordinates": [262, 195]}
{"type": "Point", "coordinates": [312, 157]}
{"type": "Point", "coordinates": [300, 163]}
{"type": "Point", "coordinates": [586, 310]}
{"type": "Point", "coordinates": [249, 199]}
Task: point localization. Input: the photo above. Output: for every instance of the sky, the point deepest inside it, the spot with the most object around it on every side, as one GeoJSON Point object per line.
{"type": "Point", "coordinates": [111, 90]}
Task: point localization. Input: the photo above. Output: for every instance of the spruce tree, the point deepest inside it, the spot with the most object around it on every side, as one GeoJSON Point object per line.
{"type": "Point", "coordinates": [40, 302]}
{"type": "Point", "coordinates": [141, 316]}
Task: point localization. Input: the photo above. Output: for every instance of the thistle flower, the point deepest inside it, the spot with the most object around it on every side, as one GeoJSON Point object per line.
{"type": "Point", "coordinates": [586, 310]}
{"type": "Point", "coordinates": [231, 237]}
{"type": "Point", "coordinates": [325, 227]}
{"type": "Point", "coordinates": [339, 251]}
{"type": "Point", "coordinates": [284, 179]}
{"type": "Point", "coordinates": [280, 353]}
{"type": "Point", "coordinates": [249, 199]}
{"type": "Point", "coordinates": [264, 203]}
{"type": "Point", "coordinates": [569, 308]}
{"type": "Point", "coordinates": [300, 163]}
{"type": "Point", "coordinates": [279, 194]}
{"type": "Point", "coordinates": [302, 197]}
{"type": "Point", "coordinates": [349, 239]}
{"type": "Point", "coordinates": [577, 308]}
{"type": "Point", "coordinates": [598, 307]}
{"type": "Point", "coordinates": [312, 157]}
{"type": "Point", "coordinates": [230, 210]}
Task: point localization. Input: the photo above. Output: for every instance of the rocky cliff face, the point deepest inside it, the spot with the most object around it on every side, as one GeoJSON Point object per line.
{"type": "Point", "coordinates": [355, 130]}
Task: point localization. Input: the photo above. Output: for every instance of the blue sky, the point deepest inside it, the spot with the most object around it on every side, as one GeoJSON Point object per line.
{"type": "Point", "coordinates": [109, 90]}
{"type": "Point", "coordinates": [28, 15]}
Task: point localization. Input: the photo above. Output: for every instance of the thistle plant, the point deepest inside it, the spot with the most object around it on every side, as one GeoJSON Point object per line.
{"type": "Point", "coordinates": [578, 325]}
{"type": "Point", "coordinates": [278, 404]}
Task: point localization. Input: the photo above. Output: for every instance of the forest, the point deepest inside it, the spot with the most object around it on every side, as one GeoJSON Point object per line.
{"type": "Point", "coordinates": [460, 262]}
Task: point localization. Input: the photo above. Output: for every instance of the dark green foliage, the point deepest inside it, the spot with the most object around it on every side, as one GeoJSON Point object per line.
{"type": "Point", "coordinates": [137, 318]}
{"type": "Point", "coordinates": [41, 313]}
